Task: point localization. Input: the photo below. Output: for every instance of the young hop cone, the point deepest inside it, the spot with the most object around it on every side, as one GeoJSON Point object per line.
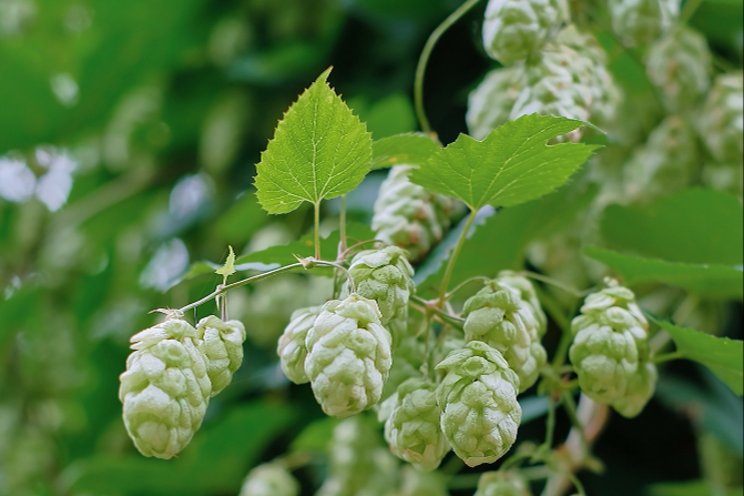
{"type": "Point", "coordinates": [165, 389]}
{"type": "Point", "coordinates": [413, 429]}
{"type": "Point", "coordinates": [348, 356]}
{"type": "Point", "coordinates": [417, 483]}
{"type": "Point", "coordinates": [408, 216]}
{"type": "Point", "coordinates": [721, 123]}
{"type": "Point", "coordinates": [506, 315]}
{"type": "Point", "coordinates": [515, 29]}
{"type": "Point", "coordinates": [491, 102]}
{"type": "Point", "coordinates": [291, 345]}
{"type": "Point", "coordinates": [222, 345]}
{"type": "Point", "coordinates": [478, 399]}
{"type": "Point", "coordinates": [502, 483]}
{"type": "Point", "coordinates": [640, 22]}
{"type": "Point", "coordinates": [270, 479]}
{"type": "Point", "coordinates": [610, 350]}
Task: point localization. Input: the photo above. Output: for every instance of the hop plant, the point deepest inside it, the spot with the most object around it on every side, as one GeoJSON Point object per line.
{"type": "Point", "coordinates": [610, 350]}
{"type": "Point", "coordinates": [478, 399]}
{"type": "Point", "coordinates": [413, 428]}
{"type": "Point", "coordinates": [506, 315]}
{"type": "Point", "coordinates": [165, 388]}
{"type": "Point", "coordinates": [417, 483]}
{"type": "Point", "coordinates": [222, 345]}
{"type": "Point", "coordinates": [348, 355]}
{"type": "Point", "coordinates": [408, 216]}
{"type": "Point", "coordinates": [270, 479]}
{"type": "Point", "coordinates": [491, 103]}
{"type": "Point", "coordinates": [721, 123]}
{"type": "Point", "coordinates": [291, 344]}
{"type": "Point", "coordinates": [679, 65]}
{"type": "Point", "coordinates": [502, 483]}
{"type": "Point", "coordinates": [408, 357]}
{"type": "Point", "coordinates": [640, 22]}
{"type": "Point", "coordinates": [385, 276]}
{"type": "Point", "coordinates": [728, 177]}
{"type": "Point", "coordinates": [515, 29]}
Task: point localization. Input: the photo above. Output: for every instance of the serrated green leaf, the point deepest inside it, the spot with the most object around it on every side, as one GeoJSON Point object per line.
{"type": "Point", "coordinates": [723, 356]}
{"type": "Point", "coordinates": [320, 150]}
{"type": "Point", "coordinates": [407, 148]}
{"type": "Point", "coordinates": [511, 165]}
{"type": "Point", "coordinates": [714, 281]}
{"type": "Point", "coordinates": [228, 268]}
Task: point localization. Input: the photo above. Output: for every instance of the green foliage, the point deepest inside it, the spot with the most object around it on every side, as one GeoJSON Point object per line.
{"type": "Point", "coordinates": [407, 148]}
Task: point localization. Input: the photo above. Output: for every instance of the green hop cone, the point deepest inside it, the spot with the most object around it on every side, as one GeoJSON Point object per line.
{"type": "Point", "coordinates": [502, 483]}
{"type": "Point", "coordinates": [721, 123]}
{"type": "Point", "coordinates": [640, 22]}
{"type": "Point", "coordinates": [417, 483]}
{"type": "Point", "coordinates": [222, 345]}
{"type": "Point", "coordinates": [515, 29]}
{"type": "Point", "coordinates": [291, 344]}
{"type": "Point", "coordinates": [679, 65]}
{"type": "Point", "coordinates": [413, 429]}
{"type": "Point", "coordinates": [385, 276]}
{"type": "Point", "coordinates": [408, 216]}
{"type": "Point", "coordinates": [348, 356]}
{"type": "Point", "coordinates": [270, 479]}
{"type": "Point", "coordinates": [610, 350]}
{"type": "Point", "coordinates": [165, 389]}
{"type": "Point", "coordinates": [506, 315]}
{"type": "Point", "coordinates": [478, 399]}
{"type": "Point", "coordinates": [491, 103]}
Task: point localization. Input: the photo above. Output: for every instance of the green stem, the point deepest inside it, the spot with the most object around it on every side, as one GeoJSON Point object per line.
{"type": "Point", "coordinates": [689, 10]}
{"type": "Point", "coordinates": [569, 404]}
{"type": "Point", "coordinates": [450, 319]}
{"type": "Point", "coordinates": [316, 229]}
{"type": "Point", "coordinates": [553, 282]}
{"type": "Point", "coordinates": [342, 229]}
{"type": "Point", "coordinates": [453, 259]}
{"type": "Point", "coordinates": [418, 85]}
{"type": "Point", "coordinates": [665, 357]}
{"type": "Point", "coordinates": [550, 426]}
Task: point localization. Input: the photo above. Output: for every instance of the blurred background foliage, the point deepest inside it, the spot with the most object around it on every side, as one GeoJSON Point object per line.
{"type": "Point", "coordinates": [128, 137]}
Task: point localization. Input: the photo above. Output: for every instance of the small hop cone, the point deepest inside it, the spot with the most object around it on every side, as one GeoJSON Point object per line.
{"type": "Point", "coordinates": [222, 345]}
{"type": "Point", "coordinates": [385, 276]}
{"type": "Point", "coordinates": [408, 357]}
{"type": "Point", "coordinates": [413, 429]}
{"type": "Point", "coordinates": [721, 123]}
{"type": "Point", "coordinates": [502, 483]}
{"type": "Point", "coordinates": [408, 216]}
{"type": "Point", "coordinates": [417, 483]}
{"type": "Point", "coordinates": [680, 65]}
{"type": "Point", "coordinates": [270, 479]}
{"type": "Point", "coordinates": [506, 315]}
{"type": "Point", "coordinates": [478, 399]}
{"type": "Point", "coordinates": [610, 350]}
{"type": "Point", "coordinates": [640, 22]}
{"type": "Point", "coordinates": [491, 102]}
{"type": "Point", "coordinates": [349, 356]}
{"type": "Point", "coordinates": [165, 389]}
{"type": "Point", "coordinates": [291, 345]}
{"type": "Point", "coordinates": [514, 30]}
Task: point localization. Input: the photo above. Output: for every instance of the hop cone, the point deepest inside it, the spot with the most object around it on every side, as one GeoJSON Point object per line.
{"type": "Point", "coordinates": [610, 350]}
{"type": "Point", "coordinates": [680, 64]}
{"type": "Point", "coordinates": [728, 177]}
{"type": "Point", "coordinates": [721, 123]}
{"type": "Point", "coordinates": [222, 345]}
{"type": "Point", "coordinates": [490, 104]}
{"type": "Point", "coordinates": [408, 356]}
{"type": "Point", "coordinates": [385, 276]}
{"type": "Point", "coordinates": [291, 345]}
{"type": "Point", "coordinates": [640, 22]}
{"type": "Point", "coordinates": [348, 356]}
{"type": "Point", "coordinates": [165, 389]}
{"type": "Point", "coordinates": [505, 314]}
{"type": "Point", "coordinates": [408, 216]}
{"type": "Point", "coordinates": [478, 398]}
{"type": "Point", "coordinates": [413, 429]}
{"type": "Point", "coordinates": [515, 29]}
{"type": "Point", "coordinates": [502, 484]}
{"type": "Point", "coordinates": [416, 483]}
{"type": "Point", "coordinates": [270, 479]}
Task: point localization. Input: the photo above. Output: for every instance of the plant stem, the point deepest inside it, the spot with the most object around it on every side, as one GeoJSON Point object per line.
{"type": "Point", "coordinates": [665, 357]}
{"type": "Point", "coordinates": [453, 259]}
{"type": "Point", "coordinates": [418, 85]}
{"type": "Point", "coordinates": [316, 229]}
{"type": "Point", "coordinates": [341, 229]}
{"type": "Point", "coordinates": [449, 319]}
{"type": "Point", "coordinates": [689, 10]}
{"type": "Point", "coordinates": [552, 282]}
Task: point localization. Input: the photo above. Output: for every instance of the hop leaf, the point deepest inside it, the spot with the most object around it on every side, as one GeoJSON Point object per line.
{"type": "Point", "coordinates": [413, 428]}
{"type": "Point", "coordinates": [478, 398]}
{"type": "Point", "coordinates": [640, 22]}
{"type": "Point", "coordinates": [491, 102]}
{"type": "Point", "coordinates": [165, 389]}
{"type": "Point", "coordinates": [291, 345]}
{"type": "Point", "coordinates": [348, 356]}
{"type": "Point", "coordinates": [222, 345]}
{"type": "Point", "coordinates": [506, 315]}
{"type": "Point", "coordinates": [502, 483]}
{"type": "Point", "coordinates": [610, 350]}
{"type": "Point", "coordinates": [270, 479]}
{"type": "Point", "coordinates": [721, 123]}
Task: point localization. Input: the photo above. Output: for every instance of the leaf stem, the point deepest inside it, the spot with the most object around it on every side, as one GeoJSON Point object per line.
{"type": "Point", "coordinates": [553, 282]}
{"type": "Point", "coordinates": [446, 317]}
{"type": "Point", "coordinates": [665, 357]}
{"type": "Point", "coordinates": [341, 229]}
{"type": "Point", "coordinates": [316, 229]}
{"type": "Point", "coordinates": [418, 85]}
{"type": "Point", "coordinates": [453, 259]}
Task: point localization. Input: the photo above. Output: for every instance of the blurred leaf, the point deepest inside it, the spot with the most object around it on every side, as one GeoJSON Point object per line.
{"type": "Point", "coordinates": [389, 116]}
{"type": "Point", "coordinates": [688, 488]}
{"type": "Point", "coordinates": [724, 356]}
{"type": "Point", "coordinates": [707, 280]}
{"type": "Point", "coordinates": [315, 437]}
{"type": "Point", "coordinates": [320, 150]}
{"type": "Point", "coordinates": [510, 166]}
{"type": "Point", "coordinates": [407, 148]}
